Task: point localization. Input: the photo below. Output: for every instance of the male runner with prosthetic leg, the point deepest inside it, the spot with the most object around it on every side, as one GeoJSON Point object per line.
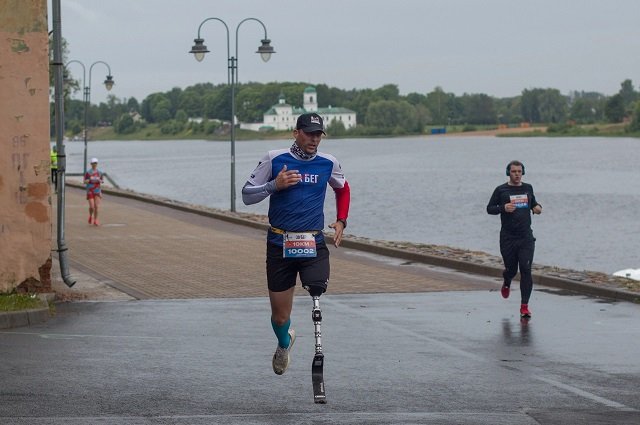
{"type": "Point", "coordinates": [295, 179]}
{"type": "Point", "coordinates": [514, 201]}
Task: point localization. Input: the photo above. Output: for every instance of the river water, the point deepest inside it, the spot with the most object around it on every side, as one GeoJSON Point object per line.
{"type": "Point", "coordinates": [430, 190]}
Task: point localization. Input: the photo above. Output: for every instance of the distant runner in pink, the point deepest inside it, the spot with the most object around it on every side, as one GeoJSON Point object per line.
{"type": "Point", "coordinates": [93, 178]}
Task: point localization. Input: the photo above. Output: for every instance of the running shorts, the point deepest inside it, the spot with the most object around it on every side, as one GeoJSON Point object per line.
{"type": "Point", "coordinates": [282, 272]}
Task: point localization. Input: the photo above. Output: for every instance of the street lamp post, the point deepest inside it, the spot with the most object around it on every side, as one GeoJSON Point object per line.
{"type": "Point", "coordinates": [265, 51]}
{"type": "Point", "coordinates": [108, 83]}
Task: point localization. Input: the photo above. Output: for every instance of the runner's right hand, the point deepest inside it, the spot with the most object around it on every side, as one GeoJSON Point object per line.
{"type": "Point", "coordinates": [286, 178]}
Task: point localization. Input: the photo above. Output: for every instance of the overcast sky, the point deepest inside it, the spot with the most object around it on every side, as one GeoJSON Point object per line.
{"type": "Point", "coordinates": [497, 47]}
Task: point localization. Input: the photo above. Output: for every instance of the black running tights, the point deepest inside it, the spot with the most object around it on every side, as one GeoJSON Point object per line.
{"type": "Point", "coordinates": [518, 253]}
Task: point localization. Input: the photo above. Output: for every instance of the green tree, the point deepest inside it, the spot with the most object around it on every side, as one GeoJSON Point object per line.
{"type": "Point", "coordinates": [360, 100]}
{"type": "Point", "coordinates": [587, 107]}
{"type": "Point", "coordinates": [360, 103]}
{"type": "Point", "coordinates": [252, 101]}
{"type": "Point", "coordinates": [334, 96]}
{"type": "Point", "coordinates": [543, 106]}
{"type": "Point", "coordinates": [614, 109]}
{"type": "Point", "coordinates": [73, 126]}
{"type": "Point", "coordinates": [387, 92]}
{"type": "Point", "coordinates": [439, 103]}
{"type": "Point", "coordinates": [71, 85]}
{"type": "Point", "coordinates": [479, 109]}
{"type": "Point", "coordinates": [553, 106]}
{"type": "Point", "coordinates": [161, 111]}
{"type": "Point", "coordinates": [508, 110]}
{"type": "Point", "coordinates": [133, 105]}
{"type": "Point", "coordinates": [455, 110]}
{"type": "Point", "coordinates": [172, 127]}
{"type": "Point", "coordinates": [108, 111]}
{"type": "Point", "coordinates": [635, 120]}
{"type": "Point", "coordinates": [582, 111]}
{"type": "Point", "coordinates": [73, 110]}
{"type": "Point", "coordinates": [217, 104]}
{"type": "Point", "coordinates": [628, 94]}
{"type": "Point", "coordinates": [393, 117]}
{"type": "Point", "coordinates": [191, 103]}
{"type": "Point", "coordinates": [336, 128]}
{"type": "Point", "coordinates": [174, 96]}
{"type": "Point", "coordinates": [124, 124]}
{"type": "Point", "coordinates": [192, 99]}
{"type": "Point", "coordinates": [530, 105]}
{"type": "Point", "coordinates": [422, 116]}
{"type": "Point", "coordinates": [181, 116]}
{"type": "Point", "coordinates": [417, 99]}
{"type": "Point", "coordinates": [156, 108]}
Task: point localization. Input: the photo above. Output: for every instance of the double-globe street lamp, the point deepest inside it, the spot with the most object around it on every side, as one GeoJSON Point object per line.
{"type": "Point", "coordinates": [108, 83]}
{"type": "Point", "coordinates": [265, 51]}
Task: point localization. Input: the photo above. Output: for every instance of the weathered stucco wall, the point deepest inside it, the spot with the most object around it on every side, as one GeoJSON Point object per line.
{"type": "Point", "coordinates": [25, 193]}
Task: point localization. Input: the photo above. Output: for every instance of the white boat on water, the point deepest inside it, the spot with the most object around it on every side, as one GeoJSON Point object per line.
{"type": "Point", "coordinates": [629, 273]}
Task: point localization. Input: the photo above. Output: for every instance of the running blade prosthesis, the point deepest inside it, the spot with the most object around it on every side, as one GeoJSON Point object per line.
{"type": "Point", "coordinates": [317, 377]}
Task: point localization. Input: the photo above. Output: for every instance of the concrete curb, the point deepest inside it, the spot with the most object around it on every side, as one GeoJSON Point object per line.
{"type": "Point", "coordinates": [481, 269]}
{"type": "Point", "coordinates": [15, 319]}
{"type": "Point", "coordinates": [486, 270]}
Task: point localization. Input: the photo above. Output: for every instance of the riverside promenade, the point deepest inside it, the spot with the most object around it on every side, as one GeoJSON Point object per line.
{"type": "Point", "coordinates": [170, 325]}
{"type": "Point", "coordinates": [151, 251]}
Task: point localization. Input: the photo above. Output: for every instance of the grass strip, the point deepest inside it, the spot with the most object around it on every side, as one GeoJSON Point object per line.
{"type": "Point", "coordinates": [15, 302]}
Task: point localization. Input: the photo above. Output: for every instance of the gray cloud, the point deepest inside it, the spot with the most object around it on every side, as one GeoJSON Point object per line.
{"type": "Point", "coordinates": [497, 47]}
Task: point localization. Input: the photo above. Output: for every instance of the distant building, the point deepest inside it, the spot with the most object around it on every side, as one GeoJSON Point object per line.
{"type": "Point", "coordinates": [283, 116]}
{"type": "Point", "coordinates": [135, 116]}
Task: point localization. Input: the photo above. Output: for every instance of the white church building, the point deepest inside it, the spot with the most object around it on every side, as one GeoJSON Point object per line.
{"type": "Point", "coordinates": [283, 116]}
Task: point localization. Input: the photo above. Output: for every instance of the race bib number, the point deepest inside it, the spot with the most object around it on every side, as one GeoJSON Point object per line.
{"type": "Point", "coordinates": [298, 245]}
{"type": "Point", "coordinates": [520, 201]}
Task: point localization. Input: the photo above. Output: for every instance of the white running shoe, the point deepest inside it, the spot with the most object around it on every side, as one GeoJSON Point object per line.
{"type": "Point", "coordinates": [282, 356]}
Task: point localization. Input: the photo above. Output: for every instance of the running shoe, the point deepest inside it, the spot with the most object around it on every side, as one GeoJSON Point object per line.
{"type": "Point", "coordinates": [282, 356]}
{"type": "Point", "coordinates": [524, 311]}
{"type": "Point", "coordinates": [505, 290]}
{"type": "Point", "coordinates": [96, 222]}
{"type": "Point", "coordinates": [90, 219]}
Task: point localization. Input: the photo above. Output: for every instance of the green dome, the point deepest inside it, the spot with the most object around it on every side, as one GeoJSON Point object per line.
{"type": "Point", "coordinates": [310, 89]}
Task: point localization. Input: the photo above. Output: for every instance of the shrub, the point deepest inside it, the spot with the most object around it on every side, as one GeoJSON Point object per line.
{"type": "Point", "coordinates": [558, 128]}
{"type": "Point", "coordinates": [171, 127]}
{"type": "Point", "coordinates": [124, 124]}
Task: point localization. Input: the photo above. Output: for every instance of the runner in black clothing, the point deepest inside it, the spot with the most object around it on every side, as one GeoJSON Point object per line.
{"type": "Point", "coordinates": [513, 200]}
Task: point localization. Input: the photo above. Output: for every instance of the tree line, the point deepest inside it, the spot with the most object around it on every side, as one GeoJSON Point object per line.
{"type": "Point", "coordinates": [381, 111]}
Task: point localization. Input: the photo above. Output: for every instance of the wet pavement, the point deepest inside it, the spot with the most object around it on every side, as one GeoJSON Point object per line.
{"type": "Point", "coordinates": [429, 358]}
{"type": "Point", "coordinates": [190, 342]}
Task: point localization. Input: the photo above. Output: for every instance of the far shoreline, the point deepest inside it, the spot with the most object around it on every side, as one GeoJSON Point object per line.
{"type": "Point", "coordinates": [153, 134]}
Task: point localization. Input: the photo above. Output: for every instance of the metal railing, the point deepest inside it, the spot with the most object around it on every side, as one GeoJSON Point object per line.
{"type": "Point", "coordinates": [106, 176]}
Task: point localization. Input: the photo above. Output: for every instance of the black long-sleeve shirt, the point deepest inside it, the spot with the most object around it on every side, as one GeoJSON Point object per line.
{"type": "Point", "coordinates": [518, 222]}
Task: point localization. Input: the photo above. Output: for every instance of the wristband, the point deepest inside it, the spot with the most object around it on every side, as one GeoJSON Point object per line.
{"type": "Point", "coordinates": [343, 221]}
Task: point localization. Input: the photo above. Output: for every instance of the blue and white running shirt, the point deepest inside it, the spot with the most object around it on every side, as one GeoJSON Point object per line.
{"type": "Point", "coordinates": [297, 208]}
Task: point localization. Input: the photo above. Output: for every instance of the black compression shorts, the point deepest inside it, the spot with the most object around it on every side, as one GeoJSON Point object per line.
{"type": "Point", "coordinates": [282, 272]}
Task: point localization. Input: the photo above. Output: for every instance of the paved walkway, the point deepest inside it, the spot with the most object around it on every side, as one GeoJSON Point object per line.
{"type": "Point", "coordinates": [155, 252]}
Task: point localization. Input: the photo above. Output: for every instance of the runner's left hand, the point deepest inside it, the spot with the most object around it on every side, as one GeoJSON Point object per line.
{"type": "Point", "coordinates": [339, 228]}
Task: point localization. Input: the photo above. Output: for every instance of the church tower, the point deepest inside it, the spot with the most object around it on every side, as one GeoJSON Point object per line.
{"type": "Point", "coordinates": [310, 99]}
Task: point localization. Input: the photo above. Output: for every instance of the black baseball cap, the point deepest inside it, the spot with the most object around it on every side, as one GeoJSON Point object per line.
{"type": "Point", "coordinates": [310, 122]}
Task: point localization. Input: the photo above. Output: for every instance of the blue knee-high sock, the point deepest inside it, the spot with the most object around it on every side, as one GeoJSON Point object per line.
{"type": "Point", "coordinates": [282, 332]}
